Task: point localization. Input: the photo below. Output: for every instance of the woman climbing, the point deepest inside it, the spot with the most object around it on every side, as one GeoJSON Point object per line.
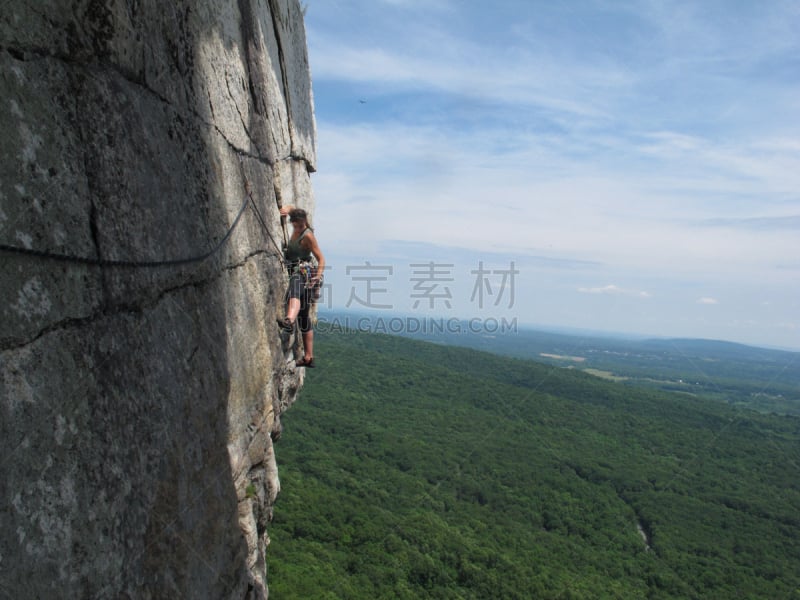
{"type": "Point", "coordinates": [304, 280]}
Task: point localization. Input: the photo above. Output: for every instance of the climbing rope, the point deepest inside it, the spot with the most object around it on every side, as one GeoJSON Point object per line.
{"type": "Point", "coordinates": [248, 189]}
{"type": "Point", "coordinates": [101, 262]}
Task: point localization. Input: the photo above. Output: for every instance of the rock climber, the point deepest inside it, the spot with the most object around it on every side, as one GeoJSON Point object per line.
{"type": "Point", "coordinates": [304, 279]}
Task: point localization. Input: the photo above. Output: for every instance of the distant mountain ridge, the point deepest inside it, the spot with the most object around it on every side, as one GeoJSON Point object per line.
{"type": "Point", "coordinates": [764, 379]}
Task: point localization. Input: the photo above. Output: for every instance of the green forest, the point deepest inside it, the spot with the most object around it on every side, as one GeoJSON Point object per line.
{"type": "Point", "coordinates": [765, 379]}
{"type": "Point", "coordinates": [415, 470]}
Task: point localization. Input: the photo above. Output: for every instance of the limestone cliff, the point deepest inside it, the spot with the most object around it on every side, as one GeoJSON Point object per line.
{"type": "Point", "coordinates": [138, 403]}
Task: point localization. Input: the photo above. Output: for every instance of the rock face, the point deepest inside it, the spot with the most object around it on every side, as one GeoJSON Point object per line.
{"type": "Point", "coordinates": [138, 403]}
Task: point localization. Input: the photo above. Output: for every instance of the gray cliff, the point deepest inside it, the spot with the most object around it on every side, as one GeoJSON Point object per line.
{"type": "Point", "coordinates": [138, 404]}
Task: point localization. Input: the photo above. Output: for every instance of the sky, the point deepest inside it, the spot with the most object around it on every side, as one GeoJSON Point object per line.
{"type": "Point", "coordinates": [621, 166]}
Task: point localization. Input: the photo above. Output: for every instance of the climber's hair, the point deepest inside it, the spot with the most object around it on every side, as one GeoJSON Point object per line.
{"type": "Point", "coordinates": [298, 214]}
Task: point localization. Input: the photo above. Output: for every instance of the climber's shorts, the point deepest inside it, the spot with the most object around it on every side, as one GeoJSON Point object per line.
{"type": "Point", "coordinates": [299, 278]}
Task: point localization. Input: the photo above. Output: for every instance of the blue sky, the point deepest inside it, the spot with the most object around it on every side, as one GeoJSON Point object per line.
{"type": "Point", "coordinates": [638, 162]}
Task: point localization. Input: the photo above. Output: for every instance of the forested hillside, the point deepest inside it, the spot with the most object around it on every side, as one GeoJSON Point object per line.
{"type": "Point", "coordinates": [413, 470]}
{"type": "Point", "coordinates": [767, 380]}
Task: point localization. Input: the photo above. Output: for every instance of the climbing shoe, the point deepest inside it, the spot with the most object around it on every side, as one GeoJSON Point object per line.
{"type": "Point", "coordinates": [305, 363]}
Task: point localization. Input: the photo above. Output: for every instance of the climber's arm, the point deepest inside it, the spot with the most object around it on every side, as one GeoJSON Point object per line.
{"type": "Point", "coordinates": [310, 243]}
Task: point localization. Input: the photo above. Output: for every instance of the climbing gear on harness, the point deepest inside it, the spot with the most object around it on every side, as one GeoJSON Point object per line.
{"type": "Point", "coordinates": [306, 270]}
{"type": "Point", "coordinates": [311, 283]}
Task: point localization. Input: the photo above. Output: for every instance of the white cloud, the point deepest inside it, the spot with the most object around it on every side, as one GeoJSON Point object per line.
{"type": "Point", "coordinates": [419, 4]}
{"type": "Point", "coordinates": [418, 183]}
{"type": "Point", "coordinates": [668, 158]}
{"type": "Point", "coordinates": [614, 290]}
{"type": "Point", "coordinates": [434, 56]}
